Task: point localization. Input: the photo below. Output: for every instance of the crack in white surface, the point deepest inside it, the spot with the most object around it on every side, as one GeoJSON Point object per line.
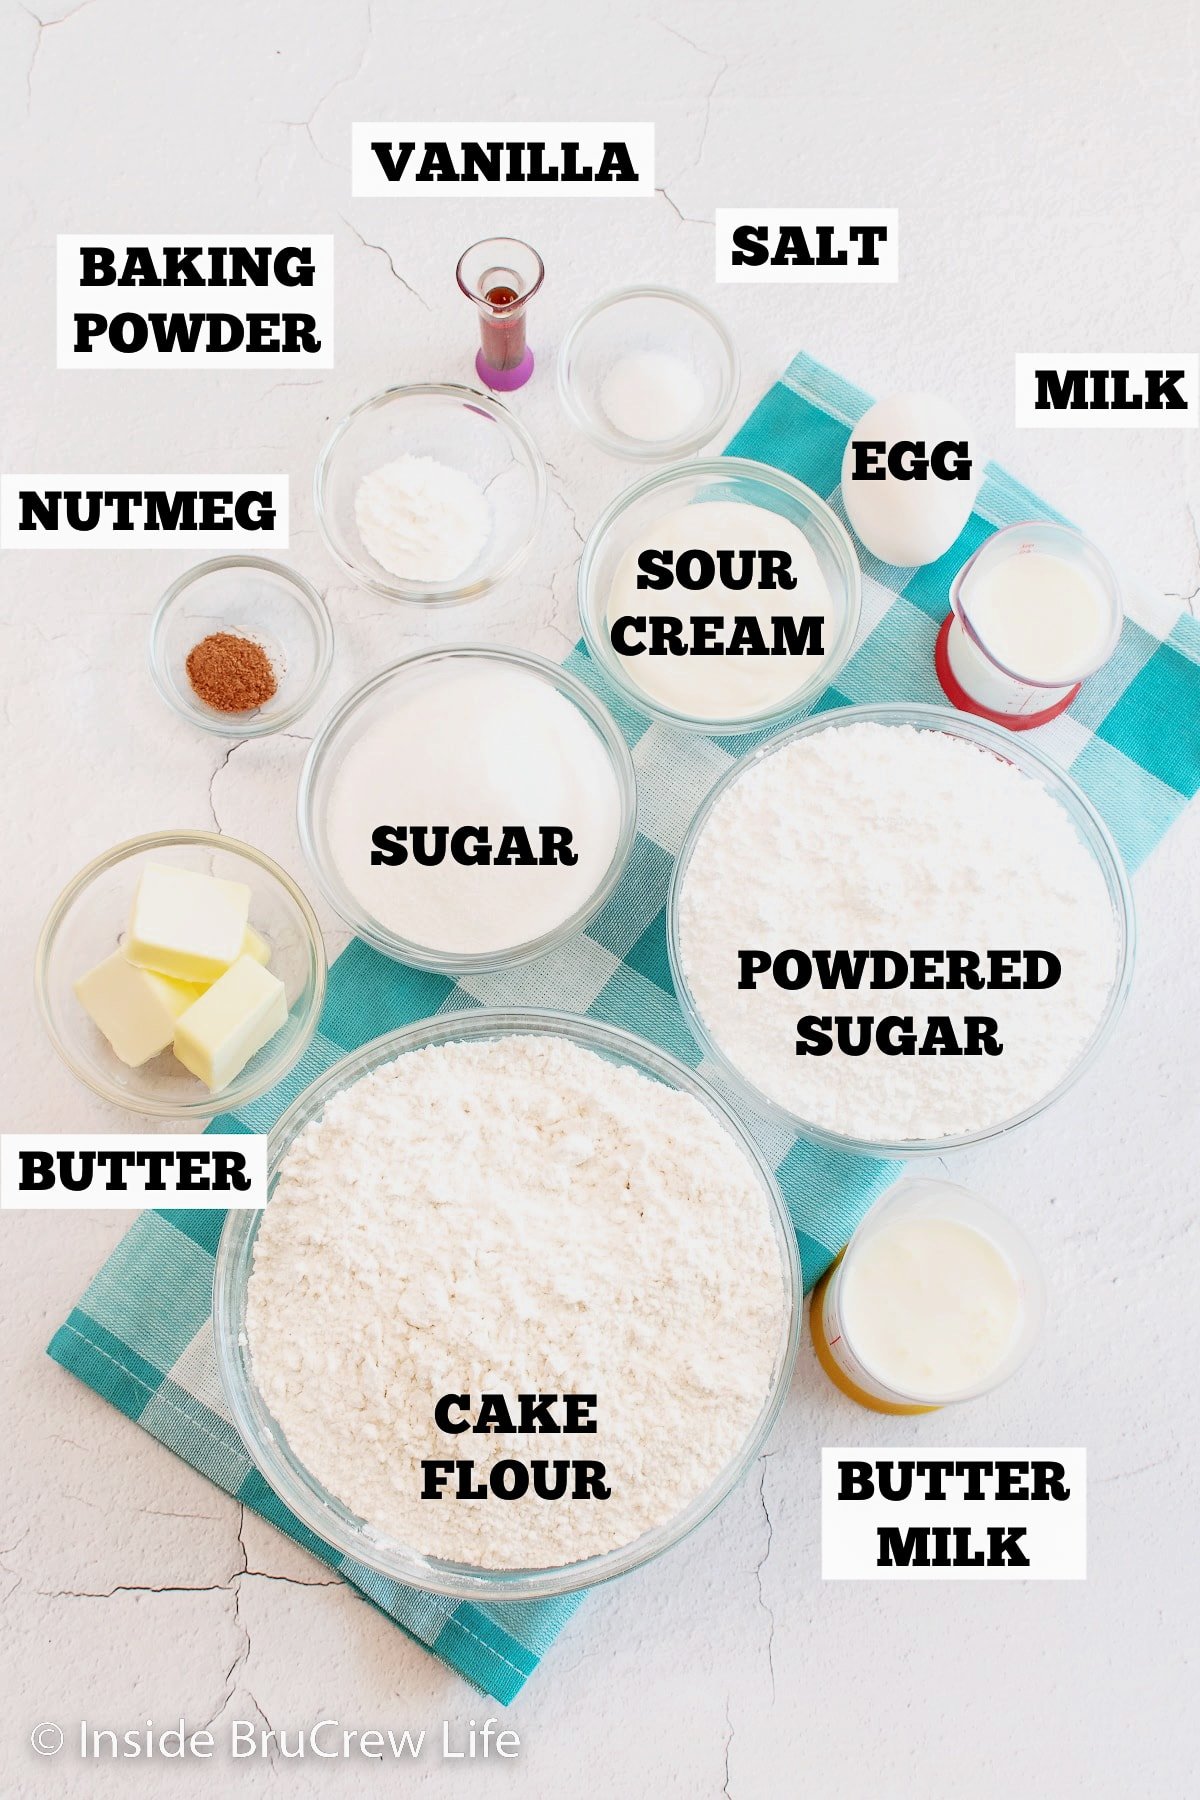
{"type": "Point", "coordinates": [760, 1565]}
{"type": "Point", "coordinates": [1128, 1474]}
{"type": "Point", "coordinates": [1190, 598]}
{"type": "Point", "coordinates": [271, 1752]}
{"type": "Point", "coordinates": [728, 1746]}
{"type": "Point", "coordinates": [559, 489]}
{"type": "Point", "coordinates": [159, 1512]}
{"type": "Point", "coordinates": [306, 124]}
{"type": "Point", "coordinates": [294, 737]}
{"type": "Point", "coordinates": [684, 39]}
{"type": "Point", "coordinates": [355, 72]}
{"type": "Point", "coordinates": [708, 106]}
{"type": "Point", "coordinates": [291, 1580]}
{"type": "Point", "coordinates": [709, 97]}
{"type": "Point", "coordinates": [44, 25]}
{"type": "Point", "coordinates": [385, 252]}
{"type": "Point", "coordinates": [212, 780]}
{"type": "Point", "coordinates": [299, 382]}
{"type": "Point", "coordinates": [684, 218]}
{"type": "Point", "coordinates": [233, 1676]}
{"type": "Point", "coordinates": [240, 1659]}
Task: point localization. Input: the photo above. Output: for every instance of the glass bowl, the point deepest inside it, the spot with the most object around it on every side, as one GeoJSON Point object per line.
{"type": "Point", "coordinates": [1090, 829]}
{"type": "Point", "coordinates": [305, 1496]}
{"type": "Point", "coordinates": [646, 320]}
{"type": "Point", "coordinates": [86, 924]}
{"type": "Point", "coordinates": [723, 478]}
{"type": "Point", "coordinates": [833, 1322]}
{"type": "Point", "coordinates": [252, 598]}
{"type": "Point", "coordinates": [460, 427]}
{"type": "Point", "coordinates": [358, 711]}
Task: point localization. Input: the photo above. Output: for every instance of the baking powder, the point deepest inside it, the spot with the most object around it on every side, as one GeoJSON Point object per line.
{"type": "Point", "coordinates": [421, 520]}
{"type": "Point", "coordinates": [516, 1216]}
{"type": "Point", "coordinates": [866, 837]}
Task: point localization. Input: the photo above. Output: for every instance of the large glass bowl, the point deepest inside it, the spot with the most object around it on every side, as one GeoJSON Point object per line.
{"type": "Point", "coordinates": [724, 478]}
{"type": "Point", "coordinates": [1090, 829]}
{"type": "Point", "coordinates": [468, 431]}
{"type": "Point", "coordinates": [307, 1497]}
{"type": "Point", "coordinates": [370, 702]}
{"type": "Point", "coordinates": [86, 924]}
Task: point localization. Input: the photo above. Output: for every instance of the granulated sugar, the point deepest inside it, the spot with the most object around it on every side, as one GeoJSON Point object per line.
{"type": "Point", "coordinates": [485, 746]}
{"type": "Point", "coordinates": [871, 837]}
{"type": "Point", "coordinates": [516, 1216]}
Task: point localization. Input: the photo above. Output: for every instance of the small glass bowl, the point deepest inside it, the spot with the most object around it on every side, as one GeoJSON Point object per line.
{"type": "Point", "coordinates": [1089, 827]}
{"type": "Point", "coordinates": [252, 598]}
{"type": "Point", "coordinates": [723, 478]}
{"type": "Point", "coordinates": [631, 321]}
{"type": "Point", "coordinates": [372, 700]}
{"type": "Point", "coordinates": [88, 921]}
{"type": "Point", "coordinates": [924, 1197]}
{"type": "Point", "coordinates": [307, 1497]}
{"type": "Point", "coordinates": [460, 427]}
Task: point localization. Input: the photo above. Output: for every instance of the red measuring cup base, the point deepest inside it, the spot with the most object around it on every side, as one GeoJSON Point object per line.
{"type": "Point", "coordinates": [958, 696]}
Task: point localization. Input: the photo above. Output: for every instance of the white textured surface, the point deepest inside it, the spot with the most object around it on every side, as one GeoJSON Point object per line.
{"type": "Point", "coordinates": [1044, 163]}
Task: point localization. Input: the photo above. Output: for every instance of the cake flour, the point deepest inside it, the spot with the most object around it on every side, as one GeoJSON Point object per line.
{"type": "Point", "coordinates": [515, 1216]}
{"type": "Point", "coordinates": [867, 837]}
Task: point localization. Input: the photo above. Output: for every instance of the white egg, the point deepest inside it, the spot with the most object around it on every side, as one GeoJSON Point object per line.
{"type": "Point", "coordinates": [901, 518]}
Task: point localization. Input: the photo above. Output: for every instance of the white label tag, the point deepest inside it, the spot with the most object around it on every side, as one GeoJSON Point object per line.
{"type": "Point", "coordinates": [815, 243]}
{"type": "Point", "coordinates": [143, 512]}
{"type": "Point", "coordinates": [1107, 389]}
{"type": "Point", "coordinates": [540, 162]}
{"type": "Point", "coordinates": [52, 1173]}
{"type": "Point", "coordinates": [237, 299]}
{"type": "Point", "coordinates": [953, 1515]}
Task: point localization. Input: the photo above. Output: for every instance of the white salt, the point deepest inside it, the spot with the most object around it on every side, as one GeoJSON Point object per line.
{"type": "Point", "coordinates": [652, 396]}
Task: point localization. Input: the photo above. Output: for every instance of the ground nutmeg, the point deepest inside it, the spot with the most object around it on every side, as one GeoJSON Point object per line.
{"type": "Point", "coordinates": [232, 674]}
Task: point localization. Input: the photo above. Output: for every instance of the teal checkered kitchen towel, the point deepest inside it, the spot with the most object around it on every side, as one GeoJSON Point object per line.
{"type": "Point", "coordinates": [140, 1335]}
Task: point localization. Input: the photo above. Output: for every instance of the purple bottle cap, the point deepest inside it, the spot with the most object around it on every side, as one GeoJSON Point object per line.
{"type": "Point", "coordinates": [503, 381]}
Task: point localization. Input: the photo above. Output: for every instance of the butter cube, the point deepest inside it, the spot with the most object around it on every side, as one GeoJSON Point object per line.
{"type": "Point", "coordinates": [217, 1035]}
{"type": "Point", "coordinates": [256, 946]}
{"type": "Point", "coordinates": [135, 1009]}
{"type": "Point", "coordinates": [185, 924]}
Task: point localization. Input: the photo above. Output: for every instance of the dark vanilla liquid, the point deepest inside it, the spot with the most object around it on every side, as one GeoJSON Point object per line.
{"type": "Point", "coordinates": [502, 339]}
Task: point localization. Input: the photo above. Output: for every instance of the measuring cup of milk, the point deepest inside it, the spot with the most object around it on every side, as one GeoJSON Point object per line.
{"type": "Point", "coordinates": [936, 1298]}
{"type": "Point", "coordinates": [1034, 612]}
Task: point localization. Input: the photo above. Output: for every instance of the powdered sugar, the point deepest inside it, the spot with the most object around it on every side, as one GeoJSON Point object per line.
{"type": "Point", "coordinates": [867, 836]}
{"type": "Point", "coordinates": [516, 1216]}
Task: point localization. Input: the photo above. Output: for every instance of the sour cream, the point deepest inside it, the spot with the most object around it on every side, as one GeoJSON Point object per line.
{"type": "Point", "coordinates": [720, 672]}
